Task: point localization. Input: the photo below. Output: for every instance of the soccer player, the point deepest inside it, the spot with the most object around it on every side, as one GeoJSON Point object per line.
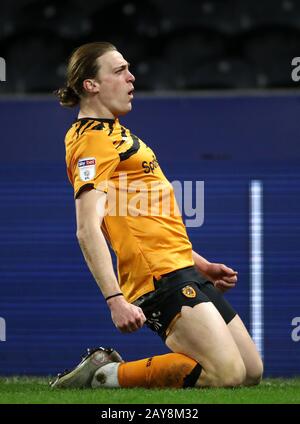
{"type": "Point", "coordinates": [161, 281]}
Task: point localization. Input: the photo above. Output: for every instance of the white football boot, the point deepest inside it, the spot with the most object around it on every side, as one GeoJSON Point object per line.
{"type": "Point", "coordinates": [82, 375]}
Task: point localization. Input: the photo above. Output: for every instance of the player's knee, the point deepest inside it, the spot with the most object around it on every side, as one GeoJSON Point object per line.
{"type": "Point", "coordinates": [232, 374]}
{"type": "Point", "coordinates": [234, 377]}
{"type": "Point", "coordinates": [254, 375]}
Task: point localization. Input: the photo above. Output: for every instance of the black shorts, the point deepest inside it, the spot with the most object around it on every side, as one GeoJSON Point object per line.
{"type": "Point", "coordinates": [184, 287]}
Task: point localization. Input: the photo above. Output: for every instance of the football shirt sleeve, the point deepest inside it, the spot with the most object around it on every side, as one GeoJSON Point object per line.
{"type": "Point", "coordinates": [93, 161]}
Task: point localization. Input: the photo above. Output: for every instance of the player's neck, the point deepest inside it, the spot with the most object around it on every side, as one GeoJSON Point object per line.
{"type": "Point", "coordinates": [92, 109]}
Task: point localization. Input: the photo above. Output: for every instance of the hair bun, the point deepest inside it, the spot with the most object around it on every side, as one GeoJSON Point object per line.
{"type": "Point", "coordinates": [67, 96]}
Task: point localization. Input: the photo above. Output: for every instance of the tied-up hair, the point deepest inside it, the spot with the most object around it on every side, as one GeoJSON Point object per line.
{"type": "Point", "coordinates": [82, 65]}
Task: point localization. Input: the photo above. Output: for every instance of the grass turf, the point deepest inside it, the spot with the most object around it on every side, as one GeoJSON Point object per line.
{"type": "Point", "coordinates": [22, 390]}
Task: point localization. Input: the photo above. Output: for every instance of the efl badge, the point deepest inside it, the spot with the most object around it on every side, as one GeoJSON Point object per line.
{"type": "Point", "coordinates": [188, 291]}
{"type": "Point", "coordinates": [87, 169]}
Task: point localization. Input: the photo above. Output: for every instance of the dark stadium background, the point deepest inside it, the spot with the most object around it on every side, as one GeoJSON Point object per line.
{"type": "Point", "coordinates": [216, 101]}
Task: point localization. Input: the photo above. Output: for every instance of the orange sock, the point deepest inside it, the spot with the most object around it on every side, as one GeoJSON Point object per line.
{"type": "Point", "coordinates": [170, 370]}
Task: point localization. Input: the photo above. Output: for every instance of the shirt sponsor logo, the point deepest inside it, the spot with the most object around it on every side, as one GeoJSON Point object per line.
{"type": "Point", "coordinates": [150, 166]}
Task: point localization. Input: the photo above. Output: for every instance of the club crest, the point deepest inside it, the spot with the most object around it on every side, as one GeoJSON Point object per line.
{"type": "Point", "coordinates": [188, 291]}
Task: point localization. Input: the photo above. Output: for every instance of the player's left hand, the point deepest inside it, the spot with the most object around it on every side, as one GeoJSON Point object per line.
{"type": "Point", "coordinates": [223, 277]}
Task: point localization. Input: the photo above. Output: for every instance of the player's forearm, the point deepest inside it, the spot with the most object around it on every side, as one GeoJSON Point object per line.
{"type": "Point", "coordinates": [201, 263]}
{"type": "Point", "coordinates": [98, 259]}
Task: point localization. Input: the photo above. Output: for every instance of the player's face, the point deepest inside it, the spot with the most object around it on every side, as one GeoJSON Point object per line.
{"type": "Point", "coordinates": [115, 84]}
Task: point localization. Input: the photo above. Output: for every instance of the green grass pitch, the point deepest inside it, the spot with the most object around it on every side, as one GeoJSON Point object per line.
{"type": "Point", "coordinates": [22, 390]}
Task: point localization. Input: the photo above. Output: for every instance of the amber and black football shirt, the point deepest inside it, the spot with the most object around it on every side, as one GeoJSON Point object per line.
{"type": "Point", "coordinates": [143, 224]}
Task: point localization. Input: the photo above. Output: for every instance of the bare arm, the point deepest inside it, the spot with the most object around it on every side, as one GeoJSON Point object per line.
{"type": "Point", "coordinates": [201, 263]}
{"type": "Point", "coordinates": [222, 276]}
{"type": "Point", "coordinates": [89, 216]}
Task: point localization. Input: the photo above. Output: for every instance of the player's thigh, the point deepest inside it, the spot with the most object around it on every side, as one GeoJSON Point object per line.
{"type": "Point", "coordinates": [202, 334]}
{"type": "Point", "coordinates": [247, 348]}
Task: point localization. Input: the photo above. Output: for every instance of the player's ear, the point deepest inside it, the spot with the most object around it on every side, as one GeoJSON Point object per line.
{"type": "Point", "coordinates": [91, 86]}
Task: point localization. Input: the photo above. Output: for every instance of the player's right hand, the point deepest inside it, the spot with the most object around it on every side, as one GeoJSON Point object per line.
{"type": "Point", "coordinates": [126, 317]}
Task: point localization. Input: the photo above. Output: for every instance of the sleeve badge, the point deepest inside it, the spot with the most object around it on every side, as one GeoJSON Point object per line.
{"type": "Point", "coordinates": [87, 169]}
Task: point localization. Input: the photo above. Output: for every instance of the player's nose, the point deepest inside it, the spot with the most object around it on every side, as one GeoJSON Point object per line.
{"type": "Point", "coordinates": [131, 77]}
